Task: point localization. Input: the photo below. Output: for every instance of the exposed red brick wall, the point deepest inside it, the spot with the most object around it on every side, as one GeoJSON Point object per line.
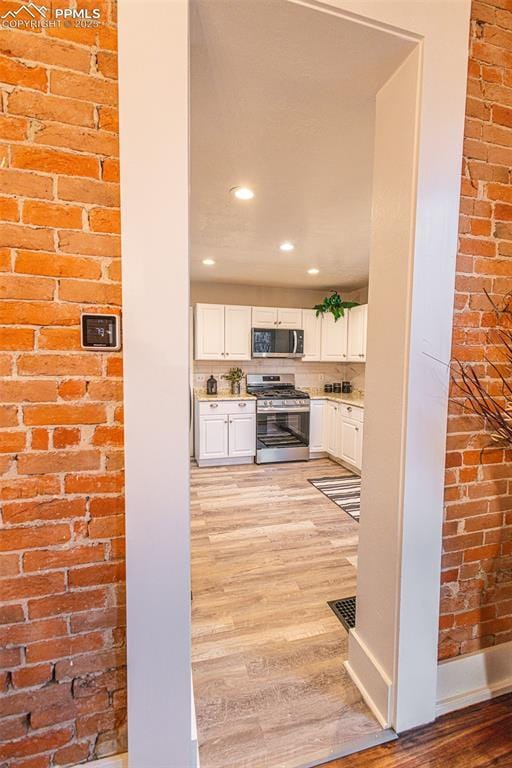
{"type": "Point", "coordinates": [62, 641]}
{"type": "Point", "coordinates": [476, 591]}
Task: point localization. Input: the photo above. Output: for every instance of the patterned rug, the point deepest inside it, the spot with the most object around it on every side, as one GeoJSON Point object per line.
{"type": "Point", "coordinates": [344, 491]}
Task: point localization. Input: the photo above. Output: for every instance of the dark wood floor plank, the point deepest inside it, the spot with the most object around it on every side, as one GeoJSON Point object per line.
{"type": "Point", "coordinates": [476, 737]}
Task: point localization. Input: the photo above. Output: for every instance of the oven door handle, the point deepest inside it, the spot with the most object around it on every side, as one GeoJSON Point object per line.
{"type": "Point", "coordinates": [294, 351]}
{"type": "Point", "coordinates": [287, 411]}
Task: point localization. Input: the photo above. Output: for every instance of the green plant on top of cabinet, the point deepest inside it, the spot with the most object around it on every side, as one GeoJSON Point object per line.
{"type": "Point", "coordinates": [334, 305]}
{"type": "Point", "coordinates": [222, 332]}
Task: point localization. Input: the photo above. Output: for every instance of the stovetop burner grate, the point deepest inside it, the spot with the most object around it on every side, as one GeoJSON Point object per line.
{"type": "Point", "coordinates": [279, 394]}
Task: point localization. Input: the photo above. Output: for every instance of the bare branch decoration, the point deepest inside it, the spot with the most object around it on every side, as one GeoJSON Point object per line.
{"type": "Point", "coordinates": [496, 410]}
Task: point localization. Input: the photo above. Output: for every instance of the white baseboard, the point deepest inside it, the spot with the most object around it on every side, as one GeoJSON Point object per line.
{"type": "Point", "coordinates": [369, 677]}
{"type": "Point", "coordinates": [475, 677]}
{"type": "Point", "coordinates": [114, 761]}
{"type": "Point", "coordinates": [194, 741]}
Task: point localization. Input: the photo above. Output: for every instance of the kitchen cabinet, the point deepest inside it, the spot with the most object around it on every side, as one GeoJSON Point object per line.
{"type": "Point", "coordinates": [222, 332]}
{"type": "Point", "coordinates": [357, 324]}
{"type": "Point", "coordinates": [209, 332]}
{"type": "Point", "coordinates": [312, 335]}
{"type": "Point", "coordinates": [334, 338]}
{"type": "Point", "coordinates": [289, 318]}
{"type": "Point", "coordinates": [241, 434]}
{"type": "Point", "coordinates": [351, 444]}
{"type": "Point", "coordinates": [275, 317]}
{"type": "Point", "coordinates": [225, 432]}
{"type": "Point", "coordinates": [332, 429]}
{"type": "Point", "coordinates": [264, 317]}
{"type": "Point", "coordinates": [213, 437]}
{"type": "Point", "coordinates": [237, 333]}
{"type": "Point", "coordinates": [342, 430]}
{"type": "Point", "coordinates": [317, 422]}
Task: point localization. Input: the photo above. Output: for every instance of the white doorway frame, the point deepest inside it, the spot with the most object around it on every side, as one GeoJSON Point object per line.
{"type": "Point", "coordinates": [153, 71]}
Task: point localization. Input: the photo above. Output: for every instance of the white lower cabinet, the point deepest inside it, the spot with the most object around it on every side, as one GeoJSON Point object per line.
{"type": "Point", "coordinates": [350, 448]}
{"type": "Point", "coordinates": [242, 435]}
{"type": "Point", "coordinates": [317, 423]}
{"type": "Point", "coordinates": [225, 432]}
{"type": "Point", "coordinates": [332, 428]}
{"type": "Point", "coordinates": [337, 429]}
{"type": "Point", "coordinates": [213, 437]}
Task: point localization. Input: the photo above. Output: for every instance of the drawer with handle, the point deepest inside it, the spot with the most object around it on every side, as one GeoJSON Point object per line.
{"type": "Point", "coordinates": [228, 407]}
{"type": "Point", "coordinates": [352, 412]}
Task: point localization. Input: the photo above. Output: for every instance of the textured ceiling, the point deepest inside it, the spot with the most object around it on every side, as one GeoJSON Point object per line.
{"type": "Point", "coordinates": [282, 100]}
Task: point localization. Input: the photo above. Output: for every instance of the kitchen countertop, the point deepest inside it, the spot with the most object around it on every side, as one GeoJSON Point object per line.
{"type": "Point", "coordinates": [314, 394]}
{"type": "Point", "coordinates": [337, 397]}
{"type": "Point", "coordinates": [202, 397]}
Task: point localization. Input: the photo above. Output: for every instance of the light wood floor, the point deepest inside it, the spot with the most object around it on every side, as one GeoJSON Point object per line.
{"type": "Point", "coordinates": [268, 551]}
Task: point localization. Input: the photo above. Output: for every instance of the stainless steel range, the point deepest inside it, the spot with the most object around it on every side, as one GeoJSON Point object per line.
{"type": "Point", "coordinates": [282, 418]}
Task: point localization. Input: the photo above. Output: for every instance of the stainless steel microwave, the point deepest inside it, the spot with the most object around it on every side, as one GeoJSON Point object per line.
{"type": "Point", "coordinates": [274, 342]}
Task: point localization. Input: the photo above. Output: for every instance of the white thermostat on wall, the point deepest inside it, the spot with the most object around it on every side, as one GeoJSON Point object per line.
{"type": "Point", "coordinates": [101, 333]}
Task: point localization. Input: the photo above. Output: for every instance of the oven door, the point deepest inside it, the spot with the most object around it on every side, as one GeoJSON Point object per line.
{"type": "Point", "coordinates": [271, 342]}
{"type": "Point", "coordinates": [282, 435]}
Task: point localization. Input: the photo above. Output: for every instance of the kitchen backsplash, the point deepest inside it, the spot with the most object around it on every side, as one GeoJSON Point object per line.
{"type": "Point", "coordinates": [311, 375]}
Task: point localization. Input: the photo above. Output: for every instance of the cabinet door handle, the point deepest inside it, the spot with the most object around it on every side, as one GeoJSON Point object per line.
{"type": "Point", "coordinates": [349, 407]}
{"type": "Point", "coordinates": [242, 405]}
{"type": "Point", "coordinates": [227, 354]}
{"type": "Point", "coordinates": [357, 429]}
{"type": "Point", "coordinates": [214, 405]}
{"type": "Point", "coordinates": [343, 355]}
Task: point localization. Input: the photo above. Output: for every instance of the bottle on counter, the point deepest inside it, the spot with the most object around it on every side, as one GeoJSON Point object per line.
{"type": "Point", "coordinates": [211, 385]}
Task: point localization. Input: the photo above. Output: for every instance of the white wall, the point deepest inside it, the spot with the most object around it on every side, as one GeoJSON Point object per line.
{"type": "Point", "coordinates": [387, 355]}
{"type": "Point", "coordinates": [153, 79]}
{"type": "Point", "coordinates": [209, 292]}
{"type": "Point", "coordinates": [442, 28]}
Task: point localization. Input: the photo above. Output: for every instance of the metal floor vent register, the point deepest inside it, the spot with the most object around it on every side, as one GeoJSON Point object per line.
{"type": "Point", "coordinates": [345, 611]}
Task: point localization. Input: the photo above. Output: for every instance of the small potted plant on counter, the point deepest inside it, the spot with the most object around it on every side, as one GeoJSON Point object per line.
{"type": "Point", "coordinates": [235, 376]}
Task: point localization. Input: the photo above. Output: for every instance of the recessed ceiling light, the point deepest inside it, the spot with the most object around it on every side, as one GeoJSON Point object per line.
{"type": "Point", "coordinates": [313, 271]}
{"type": "Point", "coordinates": [287, 246]}
{"type": "Point", "coordinates": [242, 193]}
{"type": "Point", "coordinates": [208, 262]}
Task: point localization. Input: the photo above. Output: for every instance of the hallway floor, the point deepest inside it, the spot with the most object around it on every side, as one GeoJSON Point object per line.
{"type": "Point", "coordinates": [268, 552]}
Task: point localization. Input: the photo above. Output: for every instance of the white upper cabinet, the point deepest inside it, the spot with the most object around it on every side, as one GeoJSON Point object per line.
{"type": "Point", "coordinates": [237, 333]}
{"type": "Point", "coordinates": [209, 332]}
{"type": "Point", "coordinates": [264, 317]}
{"type": "Point", "coordinates": [275, 317]}
{"type": "Point", "coordinates": [289, 318]}
{"type": "Point", "coordinates": [222, 333]}
{"type": "Point", "coordinates": [312, 335]}
{"type": "Point", "coordinates": [334, 338]}
{"type": "Point", "coordinates": [357, 322]}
